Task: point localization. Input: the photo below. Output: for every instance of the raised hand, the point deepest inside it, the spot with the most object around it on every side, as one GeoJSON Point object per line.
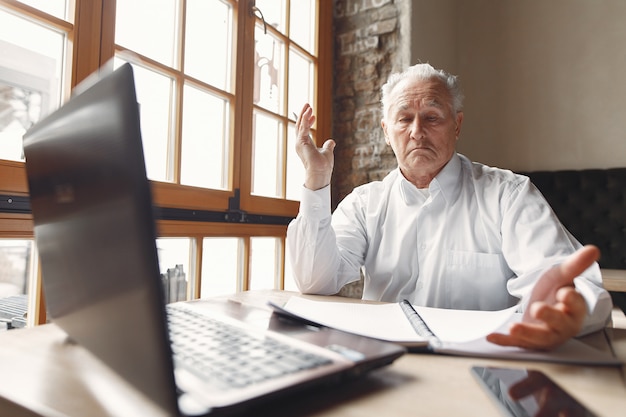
{"type": "Point", "coordinates": [318, 162]}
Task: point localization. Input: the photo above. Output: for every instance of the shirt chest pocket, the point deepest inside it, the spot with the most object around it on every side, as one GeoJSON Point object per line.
{"type": "Point", "coordinates": [473, 266]}
{"type": "Point", "coordinates": [476, 280]}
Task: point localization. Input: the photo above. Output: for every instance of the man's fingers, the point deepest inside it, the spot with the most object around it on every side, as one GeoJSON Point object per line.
{"type": "Point", "coordinates": [577, 263]}
{"type": "Point", "coordinates": [561, 276]}
{"type": "Point", "coordinates": [544, 313]}
{"type": "Point", "coordinates": [527, 336]}
{"type": "Point", "coordinates": [555, 311]}
{"type": "Point", "coordinates": [303, 125]}
{"type": "Point", "coordinates": [573, 302]}
{"type": "Point", "coordinates": [329, 145]}
{"type": "Point", "coordinates": [553, 325]}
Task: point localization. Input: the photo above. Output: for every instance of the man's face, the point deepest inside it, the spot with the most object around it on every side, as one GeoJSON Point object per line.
{"type": "Point", "coordinates": [421, 129]}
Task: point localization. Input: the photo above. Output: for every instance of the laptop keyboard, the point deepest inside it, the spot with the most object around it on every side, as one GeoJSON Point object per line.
{"type": "Point", "coordinates": [227, 356]}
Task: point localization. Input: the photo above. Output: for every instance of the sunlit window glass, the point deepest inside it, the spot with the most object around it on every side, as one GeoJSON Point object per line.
{"type": "Point", "coordinates": [268, 71]}
{"type": "Point", "coordinates": [221, 266]}
{"type": "Point", "coordinates": [31, 67]}
{"type": "Point", "coordinates": [205, 147]}
{"type": "Point", "coordinates": [268, 166]}
{"type": "Point", "coordinates": [154, 95]}
{"type": "Point", "coordinates": [295, 169]}
{"type": "Point", "coordinates": [174, 266]}
{"type": "Point", "coordinates": [15, 272]}
{"type": "Point", "coordinates": [302, 28]}
{"type": "Point", "coordinates": [301, 79]}
{"type": "Point", "coordinates": [290, 282]}
{"type": "Point", "coordinates": [273, 12]}
{"type": "Point", "coordinates": [56, 8]}
{"type": "Point", "coordinates": [148, 27]}
{"type": "Point", "coordinates": [264, 261]}
{"type": "Point", "coordinates": [208, 42]}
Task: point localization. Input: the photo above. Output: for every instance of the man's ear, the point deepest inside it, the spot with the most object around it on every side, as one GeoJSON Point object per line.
{"type": "Point", "coordinates": [384, 126]}
{"type": "Point", "coordinates": [459, 121]}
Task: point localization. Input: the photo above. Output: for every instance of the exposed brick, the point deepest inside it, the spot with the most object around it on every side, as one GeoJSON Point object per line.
{"type": "Point", "coordinates": [377, 175]}
{"type": "Point", "coordinates": [347, 8]}
{"type": "Point", "coordinates": [344, 90]}
{"type": "Point", "coordinates": [368, 71]}
{"type": "Point", "coordinates": [380, 28]}
{"type": "Point", "coordinates": [366, 52]}
{"type": "Point", "coordinates": [359, 46]}
{"type": "Point", "coordinates": [386, 12]}
{"type": "Point", "coordinates": [342, 64]}
{"type": "Point", "coordinates": [364, 85]}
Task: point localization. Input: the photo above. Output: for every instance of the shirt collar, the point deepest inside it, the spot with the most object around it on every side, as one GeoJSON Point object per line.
{"type": "Point", "coordinates": [447, 183]}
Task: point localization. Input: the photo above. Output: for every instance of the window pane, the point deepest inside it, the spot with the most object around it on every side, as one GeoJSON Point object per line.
{"type": "Point", "coordinates": [290, 282]}
{"type": "Point", "coordinates": [273, 13]}
{"type": "Point", "coordinates": [154, 95]}
{"type": "Point", "coordinates": [148, 27]}
{"type": "Point", "coordinates": [15, 272]}
{"type": "Point", "coordinates": [268, 157]}
{"type": "Point", "coordinates": [57, 8]}
{"type": "Point", "coordinates": [295, 169]}
{"type": "Point", "coordinates": [174, 264]}
{"type": "Point", "coordinates": [302, 23]}
{"type": "Point", "coordinates": [301, 82]}
{"type": "Point", "coordinates": [221, 266]}
{"type": "Point", "coordinates": [31, 67]}
{"type": "Point", "coordinates": [208, 42]}
{"type": "Point", "coordinates": [205, 140]}
{"type": "Point", "coordinates": [268, 71]}
{"type": "Point", "coordinates": [264, 271]}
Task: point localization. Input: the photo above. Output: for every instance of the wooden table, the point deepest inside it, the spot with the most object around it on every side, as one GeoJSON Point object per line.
{"type": "Point", "coordinates": [614, 279]}
{"type": "Point", "coordinates": [44, 375]}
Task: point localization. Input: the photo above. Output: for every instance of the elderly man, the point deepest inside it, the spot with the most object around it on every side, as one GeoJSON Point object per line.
{"type": "Point", "coordinates": [440, 230]}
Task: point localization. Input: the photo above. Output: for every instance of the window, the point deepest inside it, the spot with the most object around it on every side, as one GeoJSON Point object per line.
{"type": "Point", "coordinates": [221, 265]}
{"type": "Point", "coordinates": [16, 274]}
{"type": "Point", "coordinates": [30, 78]}
{"type": "Point", "coordinates": [174, 255]}
{"type": "Point", "coordinates": [219, 85]}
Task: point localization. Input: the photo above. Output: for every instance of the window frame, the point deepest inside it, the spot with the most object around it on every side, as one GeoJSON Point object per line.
{"type": "Point", "coordinates": [91, 40]}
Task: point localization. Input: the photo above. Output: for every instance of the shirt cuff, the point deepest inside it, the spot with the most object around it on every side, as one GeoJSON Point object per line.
{"type": "Point", "coordinates": [315, 204]}
{"type": "Point", "coordinates": [599, 305]}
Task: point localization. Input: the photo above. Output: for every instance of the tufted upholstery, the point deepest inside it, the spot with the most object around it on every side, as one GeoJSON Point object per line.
{"type": "Point", "coordinates": [591, 204]}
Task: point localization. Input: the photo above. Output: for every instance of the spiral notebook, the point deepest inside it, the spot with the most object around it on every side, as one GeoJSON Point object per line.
{"type": "Point", "coordinates": [437, 330]}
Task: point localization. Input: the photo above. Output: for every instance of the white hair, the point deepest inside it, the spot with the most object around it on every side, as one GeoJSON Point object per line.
{"type": "Point", "coordinates": [423, 72]}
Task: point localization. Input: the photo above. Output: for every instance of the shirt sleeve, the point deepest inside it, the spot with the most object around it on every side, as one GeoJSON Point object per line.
{"type": "Point", "coordinates": [533, 239]}
{"type": "Point", "coordinates": [311, 245]}
{"type": "Point", "coordinates": [599, 304]}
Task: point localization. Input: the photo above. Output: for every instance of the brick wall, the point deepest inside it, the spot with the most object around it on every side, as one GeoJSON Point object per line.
{"type": "Point", "coordinates": [367, 50]}
{"type": "Point", "coordinates": [367, 38]}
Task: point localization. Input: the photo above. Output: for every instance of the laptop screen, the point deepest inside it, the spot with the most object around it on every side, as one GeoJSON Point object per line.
{"type": "Point", "coordinates": [95, 232]}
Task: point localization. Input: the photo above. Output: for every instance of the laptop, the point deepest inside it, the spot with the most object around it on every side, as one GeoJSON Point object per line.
{"type": "Point", "coordinates": [95, 233]}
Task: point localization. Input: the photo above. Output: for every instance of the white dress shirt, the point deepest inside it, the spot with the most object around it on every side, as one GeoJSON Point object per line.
{"type": "Point", "coordinates": [476, 239]}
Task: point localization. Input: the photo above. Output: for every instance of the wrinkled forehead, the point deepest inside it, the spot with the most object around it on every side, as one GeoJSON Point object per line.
{"type": "Point", "coordinates": [415, 93]}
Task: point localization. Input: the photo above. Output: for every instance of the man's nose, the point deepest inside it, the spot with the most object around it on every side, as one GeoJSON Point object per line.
{"type": "Point", "coordinates": [417, 129]}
